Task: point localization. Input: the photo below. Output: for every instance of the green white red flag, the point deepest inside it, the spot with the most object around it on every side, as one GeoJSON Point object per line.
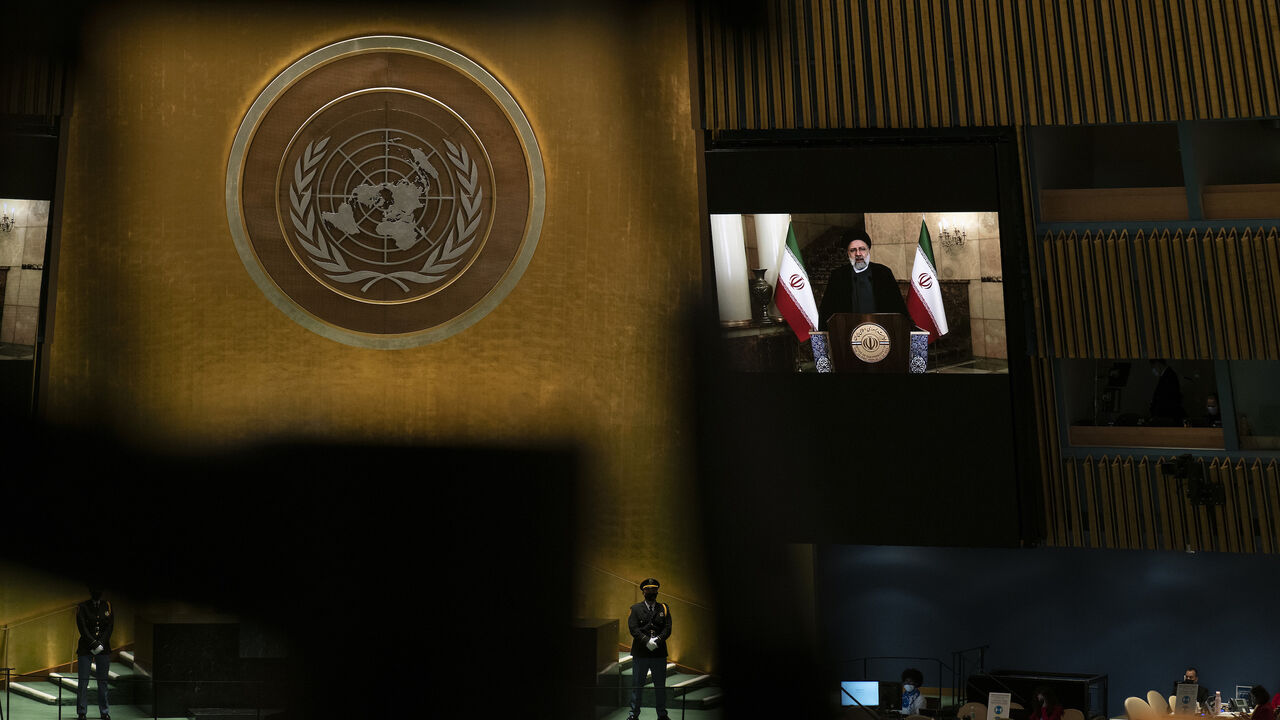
{"type": "Point", "coordinates": [924, 303]}
{"type": "Point", "coordinates": [794, 295]}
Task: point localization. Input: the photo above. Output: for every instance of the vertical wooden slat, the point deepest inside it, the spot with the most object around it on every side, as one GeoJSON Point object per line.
{"type": "Point", "coordinates": [1128, 535]}
{"type": "Point", "coordinates": [1159, 483]}
{"type": "Point", "coordinates": [1131, 340]}
{"type": "Point", "coordinates": [1089, 306]}
{"type": "Point", "coordinates": [1150, 503]}
{"type": "Point", "coordinates": [1073, 504]}
{"type": "Point", "coordinates": [1090, 482]}
{"type": "Point", "coordinates": [1271, 261]}
{"type": "Point", "coordinates": [1243, 509]}
{"type": "Point", "coordinates": [1194, 297]}
{"type": "Point", "coordinates": [1215, 291]}
{"type": "Point", "coordinates": [1106, 503]}
{"type": "Point", "coordinates": [1110, 307]}
{"type": "Point", "coordinates": [1143, 273]}
{"type": "Point", "coordinates": [1230, 509]}
{"type": "Point", "coordinates": [1271, 489]}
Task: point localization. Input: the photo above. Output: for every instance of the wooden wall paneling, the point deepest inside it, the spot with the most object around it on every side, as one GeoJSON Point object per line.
{"type": "Point", "coordinates": [1271, 259]}
{"type": "Point", "coordinates": [1073, 298]}
{"type": "Point", "coordinates": [1131, 341]}
{"type": "Point", "coordinates": [1264, 15]}
{"type": "Point", "coordinates": [1052, 483]}
{"type": "Point", "coordinates": [1270, 520]}
{"type": "Point", "coordinates": [1244, 508]}
{"type": "Point", "coordinates": [1264, 290]}
{"type": "Point", "coordinates": [1165, 295]}
{"type": "Point", "coordinates": [1074, 514]}
{"type": "Point", "coordinates": [1055, 300]}
{"type": "Point", "coordinates": [1226, 277]}
{"type": "Point", "coordinates": [907, 84]}
{"type": "Point", "coordinates": [845, 63]}
{"type": "Point", "coordinates": [1090, 305]}
{"type": "Point", "coordinates": [785, 49]}
{"type": "Point", "coordinates": [1181, 521]}
{"type": "Point", "coordinates": [1215, 295]}
{"type": "Point", "coordinates": [828, 51]}
{"type": "Point", "coordinates": [1160, 484]}
{"type": "Point", "coordinates": [1130, 537]}
{"type": "Point", "coordinates": [1091, 523]}
{"type": "Point", "coordinates": [1149, 503]}
{"type": "Point", "coordinates": [1110, 308]}
{"type": "Point", "coordinates": [942, 88]}
{"type": "Point", "coordinates": [1225, 470]}
{"type": "Point", "coordinates": [1107, 503]}
{"type": "Point", "coordinates": [1258, 508]}
{"type": "Point", "coordinates": [1144, 272]}
{"type": "Point", "coordinates": [1240, 310]}
{"type": "Point", "coordinates": [1195, 297]}
{"type": "Point", "coordinates": [1232, 483]}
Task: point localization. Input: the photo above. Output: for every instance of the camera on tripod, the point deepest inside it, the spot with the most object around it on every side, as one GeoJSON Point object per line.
{"type": "Point", "coordinates": [1200, 490]}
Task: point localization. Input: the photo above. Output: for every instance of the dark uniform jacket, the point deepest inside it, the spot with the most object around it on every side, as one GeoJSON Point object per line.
{"type": "Point", "coordinates": [95, 624]}
{"type": "Point", "coordinates": [838, 297]}
{"type": "Point", "coordinates": [645, 624]}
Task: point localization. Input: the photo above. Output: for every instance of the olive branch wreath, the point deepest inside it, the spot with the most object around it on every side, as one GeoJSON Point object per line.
{"type": "Point", "coordinates": [327, 256]}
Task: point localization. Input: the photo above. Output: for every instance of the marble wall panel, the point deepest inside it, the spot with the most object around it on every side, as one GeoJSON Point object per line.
{"type": "Point", "coordinates": [977, 326]}
{"type": "Point", "coordinates": [29, 293]}
{"type": "Point", "coordinates": [975, 300]}
{"type": "Point", "coordinates": [11, 247]}
{"type": "Point", "coordinates": [6, 325]}
{"type": "Point", "coordinates": [989, 252]}
{"type": "Point", "coordinates": [995, 339]}
{"type": "Point", "coordinates": [12, 282]}
{"type": "Point", "coordinates": [24, 325]}
{"type": "Point", "coordinates": [993, 299]}
{"type": "Point", "coordinates": [33, 245]}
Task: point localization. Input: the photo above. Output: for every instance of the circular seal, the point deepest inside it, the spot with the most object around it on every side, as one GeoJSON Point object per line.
{"type": "Point", "coordinates": [385, 192]}
{"type": "Point", "coordinates": [870, 342]}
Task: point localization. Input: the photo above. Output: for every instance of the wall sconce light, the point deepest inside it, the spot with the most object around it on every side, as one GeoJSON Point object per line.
{"type": "Point", "coordinates": [7, 220]}
{"type": "Point", "coordinates": [949, 235]}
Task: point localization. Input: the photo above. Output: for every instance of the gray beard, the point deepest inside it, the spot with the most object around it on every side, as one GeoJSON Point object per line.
{"type": "Point", "coordinates": [866, 264]}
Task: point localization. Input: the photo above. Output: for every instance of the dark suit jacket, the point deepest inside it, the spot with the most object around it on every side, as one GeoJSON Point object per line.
{"type": "Point", "coordinates": [838, 297]}
{"type": "Point", "coordinates": [639, 623]}
{"type": "Point", "coordinates": [1166, 401]}
{"type": "Point", "coordinates": [95, 624]}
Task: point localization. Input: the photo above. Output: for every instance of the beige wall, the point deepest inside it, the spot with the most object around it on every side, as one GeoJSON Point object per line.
{"type": "Point", "coordinates": [38, 619]}
{"type": "Point", "coordinates": [161, 334]}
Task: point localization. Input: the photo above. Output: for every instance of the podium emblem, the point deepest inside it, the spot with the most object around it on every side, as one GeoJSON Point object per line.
{"type": "Point", "coordinates": [385, 192]}
{"type": "Point", "coordinates": [870, 342]}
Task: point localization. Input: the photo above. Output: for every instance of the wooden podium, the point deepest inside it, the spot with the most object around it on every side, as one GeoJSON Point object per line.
{"type": "Point", "coordinates": [870, 343]}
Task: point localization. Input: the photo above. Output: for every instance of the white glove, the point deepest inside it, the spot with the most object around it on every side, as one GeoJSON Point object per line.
{"type": "Point", "coordinates": [97, 649]}
{"type": "Point", "coordinates": [652, 644]}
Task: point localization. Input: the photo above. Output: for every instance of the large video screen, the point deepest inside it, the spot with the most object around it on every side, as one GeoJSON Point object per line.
{"type": "Point", "coordinates": [941, 270]}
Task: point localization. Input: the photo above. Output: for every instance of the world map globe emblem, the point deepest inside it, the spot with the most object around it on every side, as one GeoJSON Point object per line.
{"type": "Point", "coordinates": [386, 199]}
{"type": "Point", "coordinates": [385, 191]}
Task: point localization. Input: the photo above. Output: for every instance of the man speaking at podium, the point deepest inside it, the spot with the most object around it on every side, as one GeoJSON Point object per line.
{"type": "Point", "coordinates": [861, 286]}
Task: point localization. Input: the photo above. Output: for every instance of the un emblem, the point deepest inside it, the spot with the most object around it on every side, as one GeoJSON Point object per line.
{"type": "Point", "coordinates": [385, 192]}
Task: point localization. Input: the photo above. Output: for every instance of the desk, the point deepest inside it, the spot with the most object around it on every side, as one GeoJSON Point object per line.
{"type": "Point", "coordinates": [1182, 438]}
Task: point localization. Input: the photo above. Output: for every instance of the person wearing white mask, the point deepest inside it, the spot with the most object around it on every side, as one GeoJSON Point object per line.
{"type": "Point", "coordinates": [912, 698]}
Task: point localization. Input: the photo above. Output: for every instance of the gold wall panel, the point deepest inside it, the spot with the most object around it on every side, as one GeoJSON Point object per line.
{"type": "Point", "coordinates": [957, 63]}
{"type": "Point", "coordinates": [1163, 294]}
{"type": "Point", "coordinates": [38, 618]}
{"type": "Point", "coordinates": [1131, 504]}
{"type": "Point", "coordinates": [161, 335]}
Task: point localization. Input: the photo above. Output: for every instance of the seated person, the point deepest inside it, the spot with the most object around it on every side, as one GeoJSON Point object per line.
{"type": "Point", "coordinates": [1193, 676]}
{"type": "Point", "coordinates": [1212, 413]}
{"type": "Point", "coordinates": [861, 286]}
{"type": "Point", "coordinates": [1045, 705]}
{"type": "Point", "coordinates": [912, 698]}
{"type": "Point", "coordinates": [1261, 700]}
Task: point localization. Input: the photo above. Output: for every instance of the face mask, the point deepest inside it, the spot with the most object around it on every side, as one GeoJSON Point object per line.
{"type": "Point", "coordinates": [908, 687]}
{"type": "Point", "coordinates": [1155, 372]}
{"type": "Point", "coordinates": [651, 596]}
{"type": "Point", "coordinates": [1212, 409]}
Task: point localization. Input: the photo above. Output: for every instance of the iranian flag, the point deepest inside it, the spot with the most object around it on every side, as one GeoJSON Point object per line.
{"type": "Point", "coordinates": [794, 296]}
{"type": "Point", "coordinates": [925, 301]}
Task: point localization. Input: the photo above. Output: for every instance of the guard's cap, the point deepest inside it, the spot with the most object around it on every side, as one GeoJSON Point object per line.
{"type": "Point", "coordinates": [649, 584]}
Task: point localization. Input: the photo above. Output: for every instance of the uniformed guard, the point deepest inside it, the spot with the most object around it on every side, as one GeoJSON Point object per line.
{"type": "Point", "coordinates": [95, 621]}
{"type": "Point", "coordinates": [650, 626]}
